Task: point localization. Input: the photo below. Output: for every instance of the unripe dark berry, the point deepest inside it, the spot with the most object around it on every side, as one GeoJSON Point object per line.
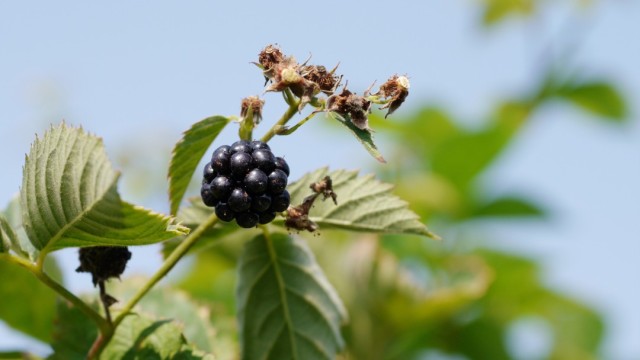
{"type": "Point", "coordinates": [282, 165]}
{"type": "Point", "coordinates": [241, 146]}
{"type": "Point", "coordinates": [103, 262]}
{"type": "Point", "coordinates": [240, 164]}
{"type": "Point", "coordinates": [257, 145]}
{"type": "Point", "coordinates": [220, 159]}
{"type": "Point", "coordinates": [221, 187]}
{"type": "Point", "coordinates": [224, 212]}
{"type": "Point", "coordinates": [208, 198]}
{"type": "Point", "coordinates": [239, 200]}
{"type": "Point", "coordinates": [208, 173]}
{"type": "Point", "coordinates": [261, 203]}
{"type": "Point", "coordinates": [264, 160]}
{"type": "Point", "coordinates": [277, 181]}
{"type": "Point", "coordinates": [247, 219]}
{"type": "Point", "coordinates": [266, 217]}
{"type": "Point", "coordinates": [280, 202]}
{"type": "Point", "coordinates": [256, 182]}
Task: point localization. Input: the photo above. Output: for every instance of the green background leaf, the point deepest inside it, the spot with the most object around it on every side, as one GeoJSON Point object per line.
{"type": "Point", "coordinates": [27, 304]}
{"type": "Point", "coordinates": [286, 307]}
{"type": "Point", "coordinates": [69, 197]}
{"type": "Point", "coordinates": [508, 206]}
{"type": "Point", "coordinates": [364, 204]}
{"type": "Point", "coordinates": [600, 98]}
{"type": "Point", "coordinates": [187, 154]}
{"type": "Point", "coordinates": [365, 137]}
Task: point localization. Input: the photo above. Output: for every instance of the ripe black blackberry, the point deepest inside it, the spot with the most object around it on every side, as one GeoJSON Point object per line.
{"type": "Point", "coordinates": [245, 181]}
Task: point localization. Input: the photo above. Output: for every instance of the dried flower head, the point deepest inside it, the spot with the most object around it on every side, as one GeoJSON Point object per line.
{"type": "Point", "coordinates": [356, 107]}
{"type": "Point", "coordinates": [255, 104]}
{"type": "Point", "coordinates": [298, 216]}
{"type": "Point", "coordinates": [395, 90]}
{"type": "Point", "coordinates": [270, 56]}
{"type": "Point", "coordinates": [326, 80]}
{"type": "Point", "coordinates": [325, 187]}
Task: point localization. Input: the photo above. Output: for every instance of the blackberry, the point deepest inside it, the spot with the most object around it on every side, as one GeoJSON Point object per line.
{"type": "Point", "coordinates": [282, 165]}
{"type": "Point", "coordinates": [224, 212]}
{"type": "Point", "coordinates": [245, 181]}
{"type": "Point", "coordinates": [221, 187]}
{"type": "Point", "coordinates": [241, 146]}
{"type": "Point", "coordinates": [256, 182]}
{"type": "Point", "coordinates": [208, 198]}
{"type": "Point", "coordinates": [256, 145]}
{"type": "Point", "coordinates": [247, 219]}
{"type": "Point", "coordinates": [280, 202]}
{"type": "Point", "coordinates": [240, 164]}
{"type": "Point", "coordinates": [277, 181]}
{"type": "Point", "coordinates": [208, 173]}
{"type": "Point", "coordinates": [220, 159]}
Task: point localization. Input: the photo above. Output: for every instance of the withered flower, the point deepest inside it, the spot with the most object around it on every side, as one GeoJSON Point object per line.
{"type": "Point", "coordinates": [326, 80]}
{"type": "Point", "coordinates": [255, 104]}
{"type": "Point", "coordinates": [270, 56]}
{"type": "Point", "coordinates": [287, 74]}
{"type": "Point", "coordinates": [325, 187]}
{"type": "Point", "coordinates": [349, 104]}
{"type": "Point", "coordinates": [298, 216]}
{"type": "Point", "coordinates": [396, 89]}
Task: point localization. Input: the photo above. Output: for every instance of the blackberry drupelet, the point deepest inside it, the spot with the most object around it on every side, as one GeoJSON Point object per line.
{"type": "Point", "coordinates": [245, 181]}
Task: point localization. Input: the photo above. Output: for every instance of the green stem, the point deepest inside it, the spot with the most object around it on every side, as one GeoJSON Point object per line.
{"type": "Point", "coordinates": [296, 126]}
{"type": "Point", "coordinates": [36, 270]}
{"type": "Point", "coordinates": [168, 264]}
{"type": "Point", "coordinates": [278, 126]}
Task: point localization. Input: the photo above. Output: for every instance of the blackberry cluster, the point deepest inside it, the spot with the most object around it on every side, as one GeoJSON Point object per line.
{"type": "Point", "coordinates": [246, 182]}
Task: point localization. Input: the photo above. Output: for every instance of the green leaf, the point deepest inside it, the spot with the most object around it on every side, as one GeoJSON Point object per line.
{"type": "Point", "coordinates": [7, 235]}
{"type": "Point", "coordinates": [364, 136]}
{"type": "Point", "coordinates": [139, 336]}
{"type": "Point", "coordinates": [27, 304]}
{"type": "Point", "coordinates": [364, 204]}
{"type": "Point", "coordinates": [463, 157]}
{"type": "Point", "coordinates": [286, 307]}
{"type": "Point", "coordinates": [599, 98]}
{"type": "Point", "coordinates": [172, 304]}
{"type": "Point", "coordinates": [19, 243]}
{"type": "Point", "coordinates": [497, 10]}
{"type": "Point", "coordinates": [16, 355]}
{"type": "Point", "coordinates": [69, 197]}
{"type": "Point", "coordinates": [187, 154]}
{"type": "Point", "coordinates": [74, 332]}
{"type": "Point", "coordinates": [508, 206]}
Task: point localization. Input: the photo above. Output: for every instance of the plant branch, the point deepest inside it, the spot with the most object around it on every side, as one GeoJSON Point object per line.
{"type": "Point", "coordinates": [288, 131]}
{"type": "Point", "coordinates": [168, 264]}
{"type": "Point", "coordinates": [36, 269]}
{"type": "Point", "coordinates": [277, 127]}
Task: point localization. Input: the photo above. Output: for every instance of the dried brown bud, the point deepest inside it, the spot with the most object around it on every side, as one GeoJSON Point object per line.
{"type": "Point", "coordinates": [396, 89]}
{"type": "Point", "coordinates": [349, 104]}
{"type": "Point", "coordinates": [255, 104]}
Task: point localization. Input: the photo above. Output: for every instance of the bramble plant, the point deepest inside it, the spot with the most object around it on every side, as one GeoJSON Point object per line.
{"type": "Point", "coordinates": [286, 307]}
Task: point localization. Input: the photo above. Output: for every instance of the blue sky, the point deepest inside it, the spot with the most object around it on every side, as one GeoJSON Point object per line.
{"type": "Point", "coordinates": [136, 72]}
